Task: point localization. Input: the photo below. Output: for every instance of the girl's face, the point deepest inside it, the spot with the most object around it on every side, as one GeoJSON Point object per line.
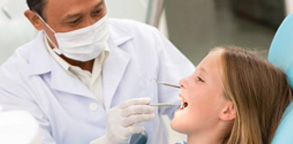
{"type": "Point", "coordinates": [202, 96]}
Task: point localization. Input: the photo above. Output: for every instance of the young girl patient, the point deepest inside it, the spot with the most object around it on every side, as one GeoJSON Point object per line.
{"type": "Point", "coordinates": [233, 97]}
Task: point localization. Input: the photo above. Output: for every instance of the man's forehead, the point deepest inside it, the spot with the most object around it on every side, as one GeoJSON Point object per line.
{"type": "Point", "coordinates": [72, 2]}
{"type": "Point", "coordinates": [66, 7]}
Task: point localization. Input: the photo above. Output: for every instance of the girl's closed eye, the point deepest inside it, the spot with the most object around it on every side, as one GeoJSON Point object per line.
{"type": "Point", "coordinates": [200, 79]}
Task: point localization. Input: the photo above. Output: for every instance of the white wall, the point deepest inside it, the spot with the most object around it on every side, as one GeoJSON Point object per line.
{"type": "Point", "coordinates": [289, 6]}
{"type": "Point", "coordinates": [135, 10]}
{"type": "Point", "coordinates": [15, 29]}
{"type": "Point", "coordinates": [131, 9]}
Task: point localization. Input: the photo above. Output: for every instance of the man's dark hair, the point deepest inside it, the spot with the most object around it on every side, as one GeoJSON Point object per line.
{"type": "Point", "coordinates": [37, 6]}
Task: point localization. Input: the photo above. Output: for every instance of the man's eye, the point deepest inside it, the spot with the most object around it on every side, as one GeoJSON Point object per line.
{"type": "Point", "coordinates": [97, 12]}
{"type": "Point", "coordinates": [200, 79]}
{"type": "Point", "coordinates": [74, 22]}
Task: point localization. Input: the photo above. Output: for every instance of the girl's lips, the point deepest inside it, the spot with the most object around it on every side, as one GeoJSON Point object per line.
{"type": "Point", "coordinates": [184, 103]}
{"type": "Point", "coordinates": [181, 108]}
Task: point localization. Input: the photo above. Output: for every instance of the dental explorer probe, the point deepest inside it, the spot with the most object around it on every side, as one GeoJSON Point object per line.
{"type": "Point", "coordinates": [167, 84]}
{"type": "Point", "coordinates": [165, 104]}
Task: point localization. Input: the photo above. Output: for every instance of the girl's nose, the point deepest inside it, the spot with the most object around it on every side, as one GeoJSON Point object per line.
{"type": "Point", "coordinates": [182, 83]}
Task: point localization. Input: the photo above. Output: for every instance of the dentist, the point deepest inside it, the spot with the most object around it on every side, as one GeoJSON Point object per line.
{"type": "Point", "coordinates": [87, 78]}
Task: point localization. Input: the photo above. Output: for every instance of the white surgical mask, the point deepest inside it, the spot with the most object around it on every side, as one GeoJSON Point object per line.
{"type": "Point", "coordinates": [83, 44]}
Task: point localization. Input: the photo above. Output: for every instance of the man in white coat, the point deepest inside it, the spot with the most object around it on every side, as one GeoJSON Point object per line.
{"type": "Point", "coordinates": [88, 79]}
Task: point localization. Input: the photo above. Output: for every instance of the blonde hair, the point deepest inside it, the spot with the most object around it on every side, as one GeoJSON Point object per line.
{"type": "Point", "coordinates": [260, 93]}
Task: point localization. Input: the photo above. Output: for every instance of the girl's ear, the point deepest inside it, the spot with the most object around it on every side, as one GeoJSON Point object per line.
{"type": "Point", "coordinates": [228, 113]}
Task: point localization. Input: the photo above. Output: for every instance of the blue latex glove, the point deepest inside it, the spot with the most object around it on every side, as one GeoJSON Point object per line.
{"type": "Point", "coordinates": [281, 55]}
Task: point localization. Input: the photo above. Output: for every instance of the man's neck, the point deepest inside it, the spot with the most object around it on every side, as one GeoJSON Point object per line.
{"type": "Point", "coordinates": [88, 66]}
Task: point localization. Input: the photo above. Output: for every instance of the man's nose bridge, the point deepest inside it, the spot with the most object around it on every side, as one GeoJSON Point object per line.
{"type": "Point", "coordinates": [89, 20]}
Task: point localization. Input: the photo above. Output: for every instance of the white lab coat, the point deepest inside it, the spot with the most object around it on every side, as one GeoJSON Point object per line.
{"type": "Point", "coordinates": [67, 111]}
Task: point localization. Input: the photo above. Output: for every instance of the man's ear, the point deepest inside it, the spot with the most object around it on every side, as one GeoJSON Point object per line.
{"type": "Point", "coordinates": [34, 19]}
{"type": "Point", "coordinates": [228, 113]}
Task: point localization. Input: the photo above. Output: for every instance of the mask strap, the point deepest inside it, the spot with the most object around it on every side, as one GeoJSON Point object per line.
{"type": "Point", "coordinates": [45, 23]}
{"type": "Point", "coordinates": [55, 49]}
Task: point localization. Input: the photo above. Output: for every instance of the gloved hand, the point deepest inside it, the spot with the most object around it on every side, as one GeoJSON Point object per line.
{"type": "Point", "coordinates": [122, 120]}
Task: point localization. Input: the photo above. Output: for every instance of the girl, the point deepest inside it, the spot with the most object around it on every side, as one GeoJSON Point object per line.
{"type": "Point", "coordinates": [233, 97]}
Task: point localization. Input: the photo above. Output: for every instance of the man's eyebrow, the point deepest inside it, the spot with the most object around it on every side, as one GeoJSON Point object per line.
{"type": "Point", "coordinates": [71, 16]}
{"type": "Point", "coordinates": [77, 15]}
{"type": "Point", "coordinates": [99, 4]}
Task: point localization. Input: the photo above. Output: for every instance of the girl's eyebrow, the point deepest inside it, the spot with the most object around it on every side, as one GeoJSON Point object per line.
{"type": "Point", "coordinates": [203, 70]}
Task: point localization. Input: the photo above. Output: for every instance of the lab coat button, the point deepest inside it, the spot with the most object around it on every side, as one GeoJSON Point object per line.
{"type": "Point", "coordinates": [93, 106]}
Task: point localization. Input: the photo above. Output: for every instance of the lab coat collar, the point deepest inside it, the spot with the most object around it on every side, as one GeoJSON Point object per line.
{"type": "Point", "coordinates": [61, 80]}
{"type": "Point", "coordinates": [40, 61]}
{"type": "Point", "coordinates": [119, 36]}
{"type": "Point", "coordinates": [113, 72]}
{"type": "Point", "coordinates": [116, 63]}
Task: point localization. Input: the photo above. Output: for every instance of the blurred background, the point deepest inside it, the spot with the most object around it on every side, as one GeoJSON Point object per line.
{"type": "Point", "coordinates": [194, 26]}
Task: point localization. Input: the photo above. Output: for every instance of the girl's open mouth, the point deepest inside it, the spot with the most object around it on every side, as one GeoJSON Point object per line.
{"type": "Point", "coordinates": [184, 103]}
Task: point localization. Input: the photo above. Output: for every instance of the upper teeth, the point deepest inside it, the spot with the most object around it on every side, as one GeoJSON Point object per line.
{"type": "Point", "coordinates": [183, 103]}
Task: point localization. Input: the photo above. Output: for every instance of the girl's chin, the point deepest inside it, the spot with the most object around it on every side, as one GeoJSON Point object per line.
{"type": "Point", "coordinates": [177, 127]}
{"type": "Point", "coordinates": [176, 124]}
{"type": "Point", "coordinates": [180, 122]}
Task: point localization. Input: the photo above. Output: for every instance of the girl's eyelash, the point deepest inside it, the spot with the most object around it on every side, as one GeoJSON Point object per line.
{"type": "Point", "coordinates": [200, 79]}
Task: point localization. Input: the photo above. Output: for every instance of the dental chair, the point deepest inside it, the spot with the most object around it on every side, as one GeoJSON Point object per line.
{"type": "Point", "coordinates": [281, 55]}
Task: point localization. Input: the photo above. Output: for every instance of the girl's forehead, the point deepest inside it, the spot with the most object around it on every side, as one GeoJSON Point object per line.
{"type": "Point", "coordinates": [211, 61]}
